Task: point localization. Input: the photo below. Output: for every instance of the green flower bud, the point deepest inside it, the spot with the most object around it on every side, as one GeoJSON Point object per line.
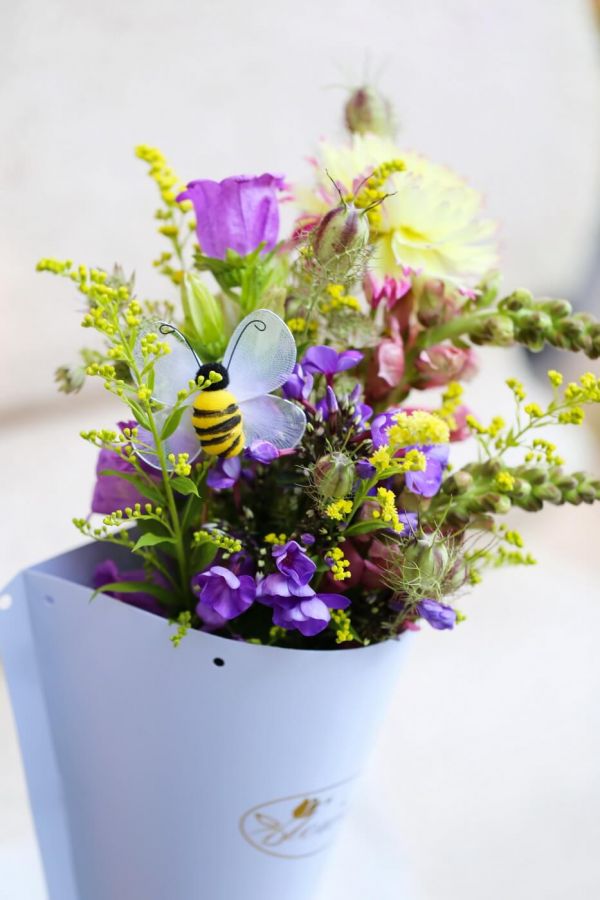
{"type": "Point", "coordinates": [558, 309]}
{"type": "Point", "coordinates": [495, 503]}
{"type": "Point", "coordinates": [533, 474]}
{"type": "Point", "coordinates": [496, 330]}
{"type": "Point", "coordinates": [428, 569]}
{"type": "Point", "coordinates": [203, 314]}
{"type": "Point", "coordinates": [549, 493]}
{"type": "Point", "coordinates": [519, 299]}
{"type": "Point", "coordinates": [368, 112]}
{"type": "Point", "coordinates": [334, 476]}
{"type": "Point", "coordinates": [340, 237]}
{"type": "Point", "coordinates": [458, 483]}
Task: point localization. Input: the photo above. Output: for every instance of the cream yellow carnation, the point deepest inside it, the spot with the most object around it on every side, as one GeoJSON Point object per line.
{"type": "Point", "coordinates": [431, 223]}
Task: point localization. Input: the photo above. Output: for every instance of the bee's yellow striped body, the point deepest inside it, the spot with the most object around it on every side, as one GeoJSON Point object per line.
{"type": "Point", "coordinates": [218, 423]}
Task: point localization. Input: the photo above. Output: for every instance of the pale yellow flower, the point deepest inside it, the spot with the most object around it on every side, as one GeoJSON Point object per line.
{"type": "Point", "coordinates": [431, 223]}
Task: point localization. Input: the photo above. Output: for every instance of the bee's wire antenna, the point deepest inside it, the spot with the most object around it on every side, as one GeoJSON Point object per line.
{"type": "Point", "coordinates": [166, 328]}
{"type": "Point", "coordinates": [258, 323]}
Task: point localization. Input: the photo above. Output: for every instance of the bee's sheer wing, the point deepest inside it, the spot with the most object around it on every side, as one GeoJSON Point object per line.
{"type": "Point", "coordinates": [273, 419]}
{"type": "Point", "coordinates": [183, 440]}
{"type": "Point", "coordinates": [175, 370]}
{"type": "Point", "coordinates": [260, 355]}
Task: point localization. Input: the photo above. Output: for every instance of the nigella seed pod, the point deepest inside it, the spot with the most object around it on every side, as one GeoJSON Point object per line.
{"type": "Point", "coordinates": [341, 235]}
{"type": "Point", "coordinates": [333, 476]}
{"type": "Point", "coordinates": [369, 112]}
{"type": "Point", "coordinates": [424, 567]}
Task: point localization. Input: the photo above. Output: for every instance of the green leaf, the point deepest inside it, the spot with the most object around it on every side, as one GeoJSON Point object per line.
{"type": "Point", "coordinates": [150, 491]}
{"type": "Point", "coordinates": [172, 422]}
{"type": "Point", "coordinates": [152, 540]}
{"type": "Point", "coordinates": [184, 485]}
{"type": "Point", "coordinates": [203, 555]}
{"type": "Point", "coordinates": [136, 587]}
{"type": "Point", "coordinates": [365, 527]}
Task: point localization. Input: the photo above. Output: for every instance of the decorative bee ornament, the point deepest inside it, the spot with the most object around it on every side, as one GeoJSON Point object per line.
{"type": "Point", "coordinates": [231, 413]}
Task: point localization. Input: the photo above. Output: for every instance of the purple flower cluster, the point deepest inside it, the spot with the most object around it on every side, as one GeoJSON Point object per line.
{"type": "Point", "coordinates": [428, 482]}
{"type": "Point", "coordinates": [438, 615]}
{"type": "Point", "coordinates": [326, 361]}
{"type": "Point", "coordinates": [222, 594]}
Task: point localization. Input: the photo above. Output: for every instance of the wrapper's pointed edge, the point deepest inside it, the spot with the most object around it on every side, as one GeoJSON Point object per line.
{"type": "Point", "coordinates": [45, 789]}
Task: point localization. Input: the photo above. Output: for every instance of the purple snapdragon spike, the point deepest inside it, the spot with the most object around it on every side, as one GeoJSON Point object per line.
{"type": "Point", "coordinates": [239, 213]}
{"type": "Point", "coordinates": [437, 614]}
{"type": "Point", "coordinates": [379, 428]}
{"type": "Point", "coordinates": [222, 594]}
{"type": "Point", "coordinates": [307, 539]}
{"type": "Point", "coordinates": [292, 561]}
{"type": "Point", "coordinates": [328, 405]}
{"type": "Point", "coordinates": [328, 362]}
{"type": "Point", "coordinates": [108, 572]}
{"type": "Point", "coordinates": [261, 451]}
{"type": "Point", "coordinates": [428, 482]}
{"type": "Point", "coordinates": [298, 607]}
{"type": "Point", "coordinates": [224, 474]}
{"type": "Point", "coordinates": [299, 384]}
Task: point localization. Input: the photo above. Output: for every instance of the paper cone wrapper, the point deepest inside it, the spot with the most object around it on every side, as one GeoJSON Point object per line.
{"type": "Point", "coordinates": [217, 770]}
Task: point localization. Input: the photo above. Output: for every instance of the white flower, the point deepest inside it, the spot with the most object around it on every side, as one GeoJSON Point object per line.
{"type": "Point", "coordinates": [431, 222]}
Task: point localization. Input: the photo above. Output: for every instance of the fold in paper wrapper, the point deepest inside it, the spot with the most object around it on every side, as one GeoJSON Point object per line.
{"type": "Point", "coordinates": [155, 774]}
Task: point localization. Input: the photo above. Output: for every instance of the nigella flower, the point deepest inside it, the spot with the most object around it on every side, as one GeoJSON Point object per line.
{"type": "Point", "coordinates": [222, 594]}
{"type": "Point", "coordinates": [298, 607]}
{"type": "Point", "coordinates": [299, 384]}
{"type": "Point", "coordinates": [239, 213]}
{"type": "Point", "coordinates": [108, 572]}
{"type": "Point", "coordinates": [437, 614]}
{"type": "Point", "coordinates": [292, 561]}
{"type": "Point", "coordinates": [328, 362]}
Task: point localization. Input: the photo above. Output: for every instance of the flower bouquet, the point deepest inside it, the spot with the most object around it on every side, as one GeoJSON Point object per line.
{"type": "Point", "coordinates": [278, 503]}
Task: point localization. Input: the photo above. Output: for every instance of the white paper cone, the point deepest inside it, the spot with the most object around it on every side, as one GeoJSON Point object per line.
{"type": "Point", "coordinates": [155, 773]}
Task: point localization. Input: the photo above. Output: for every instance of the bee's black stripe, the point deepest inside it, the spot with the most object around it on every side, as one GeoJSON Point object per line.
{"type": "Point", "coordinates": [232, 446]}
{"type": "Point", "coordinates": [219, 428]}
{"type": "Point", "coordinates": [213, 441]}
{"type": "Point", "coordinates": [215, 413]}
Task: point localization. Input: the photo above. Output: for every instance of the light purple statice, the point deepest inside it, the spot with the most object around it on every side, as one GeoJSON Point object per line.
{"type": "Point", "coordinates": [437, 614]}
{"type": "Point", "coordinates": [239, 213]}
{"type": "Point", "coordinates": [222, 594]}
{"type": "Point", "coordinates": [298, 607]}
{"type": "Point", "coordinates": [292, 561]}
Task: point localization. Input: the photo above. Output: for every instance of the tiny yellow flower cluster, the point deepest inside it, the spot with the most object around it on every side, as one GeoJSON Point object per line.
{"type": "Point", "coordinates": [151, 346]}
{"type": "Point", "coordinates": [181, 465]}
{"type": "Point", "coordinates": [574, 416]}
{"type": "Point", "coordinates": [219, 539]}
{"type": "Point", "coordinates": [419, 427]}
{"type": "Point", "coordinates": [299, 325]}
{"type": "Point", "coordinates": [475, 425]}
{"type": "Point", "coordinates": [104, 370]}
{"type": "Point", "coordinates": [384, 461]}
{"type": "Point", "coordinates": [135, 512]}
{"type": "Point", "coordinates": [504, 481]}
{"type": "Point", "coordinates": [341, 620]}
{"type": "Point", "coordinates": [388, 511]}
{"type": "Point", "coordinates": [338, 509]}
{"type": "Point", "coordinates": [516, 387]}
{"type": "Point", "coordinates": [555, 378]}
{"type": "Point", "coordinates": [339, 300]}
{"type": "Point", "coordinates": [273, 538]}
{"type": "Point", "coordinates": [545, 451]}
{"type": "Point", "coordinates": [162, 174]}
{"type": "Point", "coordinates": [373, 190]}
{"type": "Point", "coordinates": [340, 566]}
{"type": "Point", "coordinates": [534, 411]}
{"type": "Point", "coordinates": [451, 400]}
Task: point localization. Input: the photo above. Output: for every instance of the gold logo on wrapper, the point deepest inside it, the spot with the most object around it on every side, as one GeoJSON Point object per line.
{"type": "Point", "coordinates": [296, 826]}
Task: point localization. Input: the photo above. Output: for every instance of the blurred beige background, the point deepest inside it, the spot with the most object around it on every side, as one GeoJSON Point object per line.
{"type": "Point", "coordinates": [486, 781]}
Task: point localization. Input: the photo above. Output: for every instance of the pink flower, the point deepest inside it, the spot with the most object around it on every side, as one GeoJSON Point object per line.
{"type": "Point", "coordinates": [443, 363]}
{"type": "Point", "coordinates": [386, 368]}
{"type": "Point", "coordinates": [387, 288]}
